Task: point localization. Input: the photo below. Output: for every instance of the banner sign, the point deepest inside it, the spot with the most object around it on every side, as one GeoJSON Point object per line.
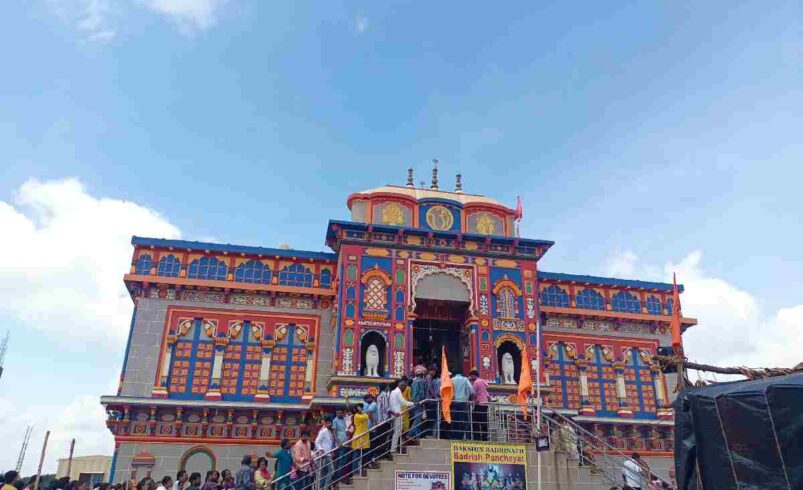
{"type": "Point", "coordinates": [423, 480]}
{"type": "Point", "coordinates": [485, 466]}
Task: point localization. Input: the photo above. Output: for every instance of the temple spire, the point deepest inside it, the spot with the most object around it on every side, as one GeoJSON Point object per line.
{"type": "Point", "coordinates": [410, 182]}
{"type": "Point", "coordinates": [458, 186]}
{"type": "Point", "coordinates": [434, 185]}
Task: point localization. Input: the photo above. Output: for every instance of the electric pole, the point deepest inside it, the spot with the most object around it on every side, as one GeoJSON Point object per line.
{"type": "Point", "coordinates": [24, 447]}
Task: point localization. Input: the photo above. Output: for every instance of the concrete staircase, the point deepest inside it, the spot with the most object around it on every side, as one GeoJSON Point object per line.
{"type": "Point", "coordinates": [558, 471]}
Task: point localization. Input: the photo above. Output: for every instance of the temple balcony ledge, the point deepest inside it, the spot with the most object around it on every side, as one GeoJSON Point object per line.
{"type": "Point", "coordinates": [120, 401]}
{"type": "Point", "coordinates": [226, 285]}
{"type": "Point", "coordinates": [559, 310]}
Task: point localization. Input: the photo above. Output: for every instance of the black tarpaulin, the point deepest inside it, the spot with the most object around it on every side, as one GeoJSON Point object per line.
{"type": "Point", "coordinates": [743, 434]}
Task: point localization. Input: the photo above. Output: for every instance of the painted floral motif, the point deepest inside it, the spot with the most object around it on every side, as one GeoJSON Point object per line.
{"type": "Point", "coordinates": [249, 299]}
{"type": "Point", "coordinates": [530, 308]}
{"type": "Point", "coordinates": [203, 296]}
{"type": "Point", "coordinates": [398, 363]}
{"type": "Point", "coordinates": [483, 304]}
{"type": "Point", "coordinates": [561, 323]}
{"type": "Point", "coordinates": [347, 364]}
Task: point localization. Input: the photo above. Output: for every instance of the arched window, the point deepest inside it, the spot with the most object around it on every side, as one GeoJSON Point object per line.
{"type": "Point", "coordinates": [669, 305]}
{"type": "Point", "coordinates": [144, 264]}
{"type": "Point", "coordinates": [506, 303]}
{"type": "Point", "coordinates": [168, 266]}
{"type": "Point", "coordinates": [376, 295]}
{"type": "Point", "coordinates": [626, 302]}
{"type": "Point", "coordinates": [653, 305]}
{"type": "Point", "coordinates": [590, 300]}
{"type": "Point", "coordinates": [555, 296]}
{"type": "Point", "coordinates": [326, 278]}
{"type": "Point", "coordinates": [254, 272]}
{"type": "Point", "coordinates": [295, 275]}
{"type": "Point", "coordinates": [208, 268]}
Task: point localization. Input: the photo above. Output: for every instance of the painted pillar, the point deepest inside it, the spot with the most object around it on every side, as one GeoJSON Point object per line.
{"type": "Point", "coordinates": [585, 404]}
{"type": "Point", "coordinates": [213, 393]}
{"type": "Point", "coordinates": [264, 372]}
{"type": "Point", "coordinates": [621, 390]}
{"type": "Point", "coordinates": [663, 410]}
{"type": "Point", "coordinates": [161, 388]}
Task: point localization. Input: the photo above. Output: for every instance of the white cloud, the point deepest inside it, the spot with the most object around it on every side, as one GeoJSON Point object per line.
{"type": "Point", "coordinates": [360, 23]}
{"type": "Point", "coordinates": [188, 14]}
{"type": "Point", "coordinates": [82, 418]}
{"type": "Point", "coordinates": [92, 18]}
{"type": "Point", "coordinates": [733, 329]}
{"type": "Point", "coordinates": [61, 272]}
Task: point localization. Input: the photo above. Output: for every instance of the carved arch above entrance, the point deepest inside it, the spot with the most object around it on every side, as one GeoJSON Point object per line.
{"type": "Point", "coordinates": [455, 274]}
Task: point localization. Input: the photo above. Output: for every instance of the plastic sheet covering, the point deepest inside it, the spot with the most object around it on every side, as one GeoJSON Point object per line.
{"type": "Point", "coordinates": [743, 434]}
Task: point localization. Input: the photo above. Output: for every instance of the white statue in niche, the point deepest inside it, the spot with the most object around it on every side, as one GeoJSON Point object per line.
{"type": "Point", "coordinates": [507, 369]}
{"type": "Point", "coordinates": [372, 361]}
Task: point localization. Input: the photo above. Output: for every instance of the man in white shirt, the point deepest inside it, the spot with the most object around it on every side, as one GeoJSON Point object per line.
{"type": "Point", "coordinates": [181, 480]}
{"type": "Point", "coordinates": [324, 446]}
{"type": "Point", "coordinates": [631, 472]}
{"type": "Point", "coordinates": [397, 406]}
{"type": "Point", "coordinates": [165, 484]}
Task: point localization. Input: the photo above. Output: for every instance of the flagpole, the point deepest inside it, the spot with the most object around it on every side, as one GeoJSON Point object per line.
{"type": "Point", "coordinates": [538, 394]}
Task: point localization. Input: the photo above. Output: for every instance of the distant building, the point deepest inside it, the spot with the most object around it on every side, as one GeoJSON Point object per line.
{"type": "Point", "coordinates": [234, 347]}
{"type": "Point", "coordinates": [92, 469]}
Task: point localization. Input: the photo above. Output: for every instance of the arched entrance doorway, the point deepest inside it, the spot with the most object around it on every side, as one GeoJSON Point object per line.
{"type": "Point", "coordinates": [442, 304]}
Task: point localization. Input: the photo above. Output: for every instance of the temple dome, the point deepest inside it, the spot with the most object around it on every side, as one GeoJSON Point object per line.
{"type": "Point", "coordinates": [418, 194]}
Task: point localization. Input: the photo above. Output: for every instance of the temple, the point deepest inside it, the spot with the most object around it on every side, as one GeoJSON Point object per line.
{"type": "Point", "coordinates": [233, 347]}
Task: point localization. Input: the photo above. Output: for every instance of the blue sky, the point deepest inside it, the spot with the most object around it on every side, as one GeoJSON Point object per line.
{"type": "Point", "coordinates": [643, 137]}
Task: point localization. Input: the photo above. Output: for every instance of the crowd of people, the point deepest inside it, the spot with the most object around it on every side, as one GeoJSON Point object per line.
{"type": "Point", "coordinates": [347, 442]}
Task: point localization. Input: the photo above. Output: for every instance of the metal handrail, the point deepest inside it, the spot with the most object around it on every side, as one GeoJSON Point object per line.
{"type": "Point", "coordinates": [316, 459]}
{"type": "Point", "coordinates": [606, 448]}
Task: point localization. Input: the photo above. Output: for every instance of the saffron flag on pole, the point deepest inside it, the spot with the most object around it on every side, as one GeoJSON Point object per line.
{"type": "Point", "coordinates": [447, 388]}
{"type": "Point", "coordinates": [519, 209]}
{"type": "Point", "coordinates": [674, 323]}
{"type": "Point", "coordinates": [525, 382]}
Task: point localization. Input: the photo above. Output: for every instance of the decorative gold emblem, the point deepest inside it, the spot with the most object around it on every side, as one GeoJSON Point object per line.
{"type": "Point", "coordinates": [485, 224]}
{"type": "Point", "coordinates": [393, 214]}
{"type": "Point", "coordinates": [440, 218]}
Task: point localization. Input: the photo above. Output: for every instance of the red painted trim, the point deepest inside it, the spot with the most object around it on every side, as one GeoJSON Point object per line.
{"type": "Point", "coordinates": [178, 281]}
{"type": "Point", "coordinates": [613, 314]}
{"type": "Point", "coordinates": [197, 440]}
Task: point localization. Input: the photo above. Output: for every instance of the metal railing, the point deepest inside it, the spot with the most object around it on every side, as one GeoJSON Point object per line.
{"type": "Point", "coordinates": [592, 451]}
{"type": "Point", "coordinates": [492, 422]}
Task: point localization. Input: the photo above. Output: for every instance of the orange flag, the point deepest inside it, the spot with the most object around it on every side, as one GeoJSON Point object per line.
{"type": "Point", "coordinates": [674, 324]}
{"type": "Point", "coordinates": [525, 382]}
{"type": "Point", "coordinates": [447, 388]}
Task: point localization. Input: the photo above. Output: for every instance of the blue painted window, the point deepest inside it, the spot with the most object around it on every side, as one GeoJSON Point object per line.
{"type": "Point", "coordinates": [506, 303]}
{"type": "Point", "coordinates": [640, 387]}
{"type": "Point", "coordinates": [590, 300]}
{"type": "Point", "coordinates": [191, 364]}
{"type": "Point", "coordinates": [555, 296]}
{"type": "Point", "coordinates": [326, 278]}
{"type": "Point", "coordinates": [254, 272]}
{"type": "Point", "coordinates": [144, 264]}
{"type": "Point", "coordinates": [208, 268]}
{"type": "Point", "coordinates": [563, 370]}
{"type": "Point", "coordinates": [670, 303]}
{"type": "Point", "coordinates": [168, 266]}
{"type": "Point", "coordinates": [626, 302]}
{"type": "Point", "coordinates": [400, 296]}
{"type": "Point", "coordinates": [400, 314]}
{"type": "Point", "coordinates": [350, 310]}
{"type": "Point", "coordinates": [653, 305]}
{"type": "Point", "coordinates": [351, 293]}
{"type": "Point", "coordinates": [295, 275]}
{"type": "Point", "coordinates": [242, 361]}
{"type": "Point", "coordinates": [602, 385]}
{"type": "Point", "coordinates": [288, 368]}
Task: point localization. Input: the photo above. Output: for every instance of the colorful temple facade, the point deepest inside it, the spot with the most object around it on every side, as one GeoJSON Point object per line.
{"type": "Point", "coordinates": [233, 347]}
